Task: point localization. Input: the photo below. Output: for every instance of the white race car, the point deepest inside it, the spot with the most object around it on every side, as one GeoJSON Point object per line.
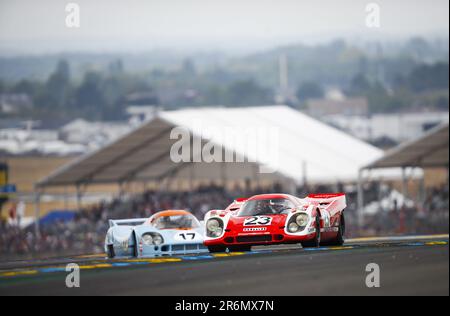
{"type": "Point", "coordinates": [164, 233]}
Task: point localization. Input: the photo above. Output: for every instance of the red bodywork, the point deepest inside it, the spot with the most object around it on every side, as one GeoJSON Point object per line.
{"type": "Point", "coordinates": [275, 233]}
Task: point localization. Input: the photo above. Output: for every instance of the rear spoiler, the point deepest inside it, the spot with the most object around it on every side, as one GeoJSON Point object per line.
{"type": "Point", "coordinates": [335, 200]}
{"type": "Point", "coordinates": [325, 195]}
{"type": "Point", "coordinates": [127, 222]}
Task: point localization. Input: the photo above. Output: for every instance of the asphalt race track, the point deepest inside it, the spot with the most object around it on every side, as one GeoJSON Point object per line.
{"type": "Point", "coordinates": [408, 266]}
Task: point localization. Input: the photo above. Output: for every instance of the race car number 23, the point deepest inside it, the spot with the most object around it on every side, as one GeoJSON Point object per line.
{"type": "Point", "coordinates": [258, 220]}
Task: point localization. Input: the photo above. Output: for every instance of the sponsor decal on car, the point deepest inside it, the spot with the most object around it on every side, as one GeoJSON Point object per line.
{"type": "Point", "coordinates": [254, 229]}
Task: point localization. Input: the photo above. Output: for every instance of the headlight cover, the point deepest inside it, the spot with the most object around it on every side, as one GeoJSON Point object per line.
{"type": "Point", "coordinates": [302, 220]}
{"type": "Point", "coordinates": [157, 239]}
{"type": "Point", "coordinates": [298, 222]}
{"type": "Point", "coordinates": [214, 227]}
{"type": "Point", "coordinates": [293, 227]}
{"type": "Point", "coordinates": [150, 239]}
{"type": "Point", "coordinates": [147, 239]}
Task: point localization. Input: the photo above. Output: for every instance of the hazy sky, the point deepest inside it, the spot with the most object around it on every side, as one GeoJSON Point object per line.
{"type": "Point", "coordinates": [35, 26]}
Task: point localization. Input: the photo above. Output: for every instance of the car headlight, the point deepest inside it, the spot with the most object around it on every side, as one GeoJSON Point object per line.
{"type": "Point", "coordinates": [214, 227]}
{"type": "Point", "coordinates": [293, 227]}
{"type": "Point", "coordinates": [157, 239]}
{"type": "Point", "coordinates": [302, 220]}
{"type": "Point", "coordinates": [152, 239]}
{"type": "Point", "coordinates": [298, 222]}
{"type": "Point", "coordinates": [147, 239]}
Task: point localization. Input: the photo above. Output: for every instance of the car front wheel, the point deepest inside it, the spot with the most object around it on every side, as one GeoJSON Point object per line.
{"type": "Point", "coordinates": [110, 251]}
{"type": "Point", "coordinates": [315, 242]}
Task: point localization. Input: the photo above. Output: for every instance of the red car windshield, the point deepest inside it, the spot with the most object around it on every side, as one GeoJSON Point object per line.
{"type": "Point", "coordinates": [266, 207]}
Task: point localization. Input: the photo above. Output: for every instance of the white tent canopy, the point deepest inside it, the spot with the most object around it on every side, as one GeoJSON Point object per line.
{"type": "Point", "coordinates": [297, 147]}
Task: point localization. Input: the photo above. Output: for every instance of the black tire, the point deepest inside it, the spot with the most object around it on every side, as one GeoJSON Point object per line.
{"type": "Point", "coordinates": [135, 248]}
{"type": "Point", "coordinates": [340, 240]}
{"type": "Point", "coordinates": [240, 248]}
{"type": "Point", "coordinates": [315, 243]}
{"type": "Point", "coordinates": [215, 249]}
{"type": "Point", "coordinates": [110, 251]}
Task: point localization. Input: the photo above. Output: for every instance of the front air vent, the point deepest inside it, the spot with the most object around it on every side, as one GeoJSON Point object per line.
{"type": "Point", "coordinates": [257, 238]}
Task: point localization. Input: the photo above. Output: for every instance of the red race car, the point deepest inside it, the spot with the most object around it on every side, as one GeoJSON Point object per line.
{"type": "Point", "coordinates": [270, 219]}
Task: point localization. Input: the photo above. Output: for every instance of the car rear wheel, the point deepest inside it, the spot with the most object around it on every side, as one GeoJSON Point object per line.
{"type": "Point", "coordinates": [215, 249]}
{"type": "Point", "coordinates": [314, 243]}
{"type": "Point", "coordinates": [339, 241]}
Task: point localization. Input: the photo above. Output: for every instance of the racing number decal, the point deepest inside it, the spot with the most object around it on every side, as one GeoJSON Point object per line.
{"type": "Point", "coordinates": [188, 236]}
{"type": "Point", "coordinates": [258, 220]}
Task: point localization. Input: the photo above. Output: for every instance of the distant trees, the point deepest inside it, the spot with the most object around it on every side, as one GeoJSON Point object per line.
{"type": "Point", "coordinates": [429, 77]}
{"type": "Point", "coordinates": [359, 85]}
{"type": "Point", "coordinates": [215, 94]}
{"type": "Point", "coordinates": [98, 95]}
{"type": "Point", "coordinates": [392, 79]}
{"type": "Point", "coordinates": [309, 90]}
{"type": "Point", "coordinates": [58, 86]}
{"type": "Point", "coordinates": [54, 93]}
{"type": "Point", "coordinates": [188, 67]}
{"type": "Point", "coordinates": [244, 92]}
{"type": "Point", "coordinates": [421, 87]}
{"type": "Point", "coordinates": [26, 86]}
{"type": "Point", "coordinates": [247, 92]}
{"type": "Point", "coordinates": [102, 96]}
{"type": "Point", "coordinates": [417, 47]}
{"type": "Point", "coordinates": [89, 94]}
{"type": "Point", "coordinates": [115, 68]}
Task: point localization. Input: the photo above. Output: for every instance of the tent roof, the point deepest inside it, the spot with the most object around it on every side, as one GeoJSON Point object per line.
{"type": "Point", "coordinates": [430, 150]}
{"type": "Point", "coordinates": [303, 143]}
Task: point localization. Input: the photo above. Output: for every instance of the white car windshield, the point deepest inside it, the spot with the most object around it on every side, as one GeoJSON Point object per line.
{"type": "Point", "coordinates": [266, 207]}
{"type": "Point", "coordinates": [175, 222]}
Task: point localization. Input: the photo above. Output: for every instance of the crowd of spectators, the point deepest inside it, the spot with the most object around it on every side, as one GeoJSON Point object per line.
{"type": "Point", "coordinates": [429, 215]}
{"type": "Point", "coordinates": [86, 232]}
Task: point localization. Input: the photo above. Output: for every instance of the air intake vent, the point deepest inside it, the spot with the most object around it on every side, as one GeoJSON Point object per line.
{"type": "Point", "coordinates": [257, 238]}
